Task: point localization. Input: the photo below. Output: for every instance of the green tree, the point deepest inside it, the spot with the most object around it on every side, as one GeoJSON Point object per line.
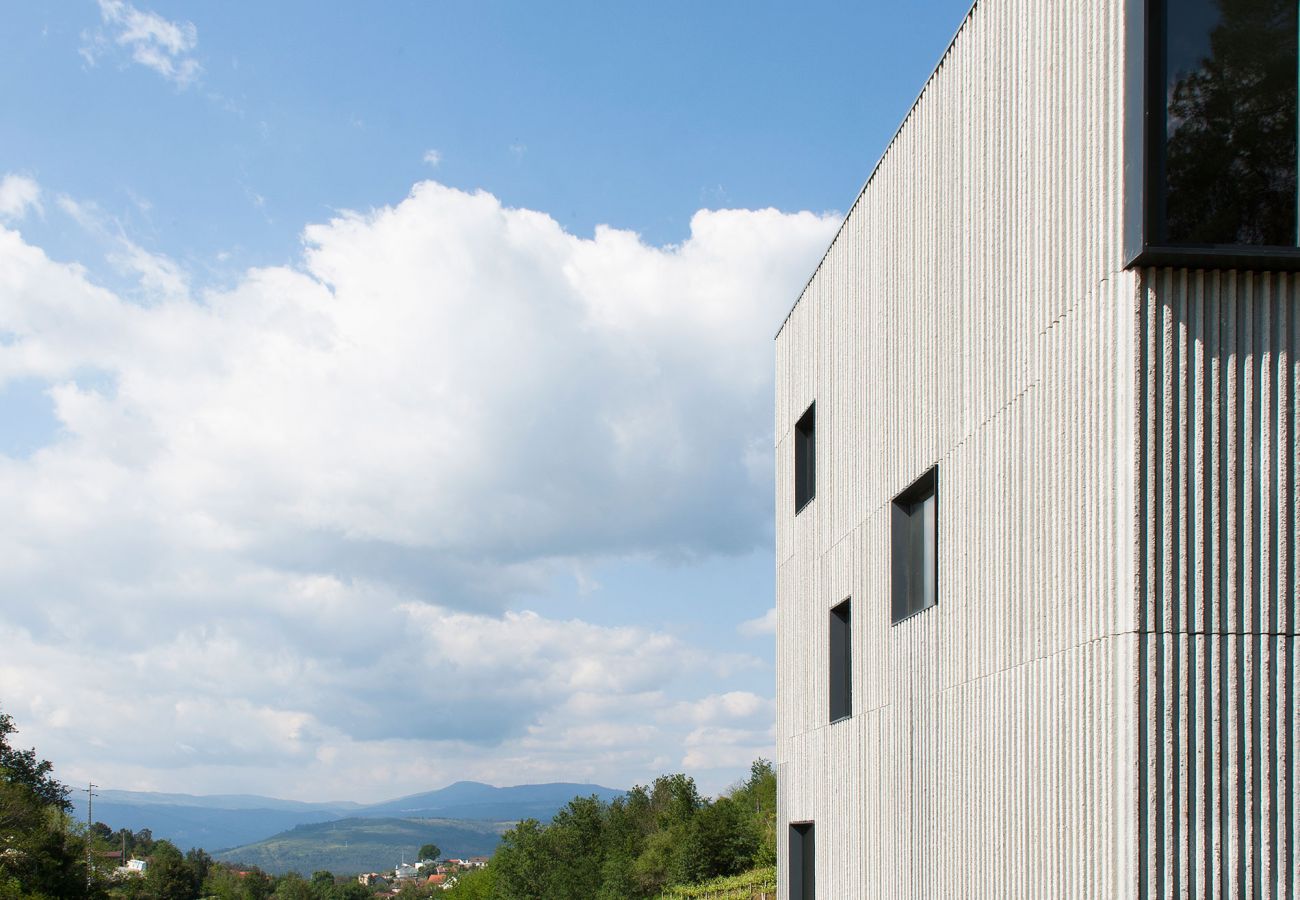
{"type": "Point", "coordinates": [24, 768]}
{"type": "Point", "coordinates": [225, 882]}
{"type": "Point", "coordinates": [656, 867]}
{"type": "Point", "coordinates": [758, 793]}
{"type": "Point", "coordinates": [720, 840]}
{"type": "Point", "coordinates": [221, 884]}
{"type": "Point", "coordinates": [674, 800]}
{"type": "Point", "coordinates": [292, 886]}
{"type": "Point", "coordinates": [42, 855]}
{"type": "Point", "coordinates": [637, 845]}
{"type": "Point", "coordinates": [169, 876]}
{"type": "Point", "coordinates": [39, 856]}
{"type": "Point", "coordinates": [199, 863]}
{"type": "Point", "coordinates": [477, 884]}
{"type": "Point", "coordinates": [627, 822]}
{"type": "Point", "coordinates": [430, 851]}
{"type": "Point", "coordinates": [576, 842]}
{"type": "Point", "coordinates": [522, 862]}
{"type": "Point", "coordinates": [257, 885]}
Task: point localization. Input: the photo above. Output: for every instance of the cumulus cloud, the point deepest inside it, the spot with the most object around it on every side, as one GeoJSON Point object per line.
{"type": "Point", "coordinates": [158, 276]}
{"type": "Point", "coordinates": [719, 748]}
{"type": "Point", "coordinates": [432, 158]}
{"type": "Point", "coordinates": [286, 525]}
{"type": "Point", "coordinates": [733, 706]}
{"type": "Point", "coordinates": [759, 627]}
{"type": "Point", "coordinates": [19, 195]}
{"type": "Point", "coordinates": [156, 43]}
{"type": "Point", "coordinates": [493, 697]}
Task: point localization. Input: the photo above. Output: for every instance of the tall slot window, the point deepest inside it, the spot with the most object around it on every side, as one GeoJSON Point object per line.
{"type": "Point", "coordinates": [803, 857]}
{"type": "Point", "coordinates": [841, 662]}
{"type": "Point", "coordinates": [805, 458]}
{"type": "Point", "coordinates": [1221, 99]}
{"type": "Point", "coordinates": [914, 550]}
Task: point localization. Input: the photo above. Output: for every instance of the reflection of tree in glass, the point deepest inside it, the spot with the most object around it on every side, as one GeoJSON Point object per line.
{"type": "Point", "coordinates": [1231, 152]}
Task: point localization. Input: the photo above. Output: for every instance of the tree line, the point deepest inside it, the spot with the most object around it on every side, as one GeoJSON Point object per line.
{"type": "Point", "coordinates": [635, 846]}
{"type": "Point", "coordinates": [46, 855]}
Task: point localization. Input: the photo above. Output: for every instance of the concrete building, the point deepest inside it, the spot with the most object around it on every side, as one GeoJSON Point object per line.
{"type": "Point", "coordinates": [1036, 456]}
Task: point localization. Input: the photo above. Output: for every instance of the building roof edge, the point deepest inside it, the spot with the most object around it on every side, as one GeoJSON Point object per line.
{"type": "Point", "coordinates": [943, 57]}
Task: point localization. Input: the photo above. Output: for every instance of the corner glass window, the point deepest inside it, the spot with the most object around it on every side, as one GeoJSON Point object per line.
{"type": "Point", "coordinates": [914, 550]}
{"type": "Point", "coordinates": [1221, 113]}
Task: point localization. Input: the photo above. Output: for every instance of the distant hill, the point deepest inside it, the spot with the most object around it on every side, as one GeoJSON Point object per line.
{"type": "Point", "coordinates": [219, 801]}
{"type": "Point", "coordinates": [211, 828]}
{"type": "Point", "coordinates": [473, 800]}
{"type": "Point", "coordinates": [218, 822]}
{"type": "Point", "coordinates": [353, 845]}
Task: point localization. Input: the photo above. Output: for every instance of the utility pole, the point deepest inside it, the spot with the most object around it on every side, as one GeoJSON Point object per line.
{"type": "Point", "coordinates": [90, 809]}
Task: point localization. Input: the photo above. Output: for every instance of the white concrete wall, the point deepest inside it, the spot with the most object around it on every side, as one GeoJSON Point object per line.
{"type": "Point", "coordinates": [1049, 729]}
{"type": "Point", "coordinates": [1216, 600]}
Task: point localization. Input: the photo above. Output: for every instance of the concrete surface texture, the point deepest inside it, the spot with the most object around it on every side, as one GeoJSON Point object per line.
{"type": "Point", "coordinates": [1102, 703]}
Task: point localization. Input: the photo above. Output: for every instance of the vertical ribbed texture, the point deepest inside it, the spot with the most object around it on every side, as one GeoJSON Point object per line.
{"type": "Point", "coordinates": [1103, 702]}
{"type": "Point", "coordinates": [1216, 601]}
{"type": "Point", "coordinates": [973, 313]}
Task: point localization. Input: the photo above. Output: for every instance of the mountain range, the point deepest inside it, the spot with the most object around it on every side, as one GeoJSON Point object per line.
{"type": "Point", "coordinates": [222, 822]}
{"type": "Point", "coordinates": [345, 846]}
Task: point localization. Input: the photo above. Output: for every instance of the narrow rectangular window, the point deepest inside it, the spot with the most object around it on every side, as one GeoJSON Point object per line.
{"type": "Point", "coordinates": [841, 662]}
{"type": "Point", "coordinates": [803, 857]}
{"type": "Point", "coordinates": [1221, 101]}
{"type": "Point", "coordinates": [805, 459]}
{"type": "Point", "coordinates": [914, 550]}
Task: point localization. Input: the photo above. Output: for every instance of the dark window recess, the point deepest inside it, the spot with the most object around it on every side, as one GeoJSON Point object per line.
{"type": "Point", "coordinates": [805, 459]}
{"type": "Point", "coordinates": [915, 547]}
{"type": "Point", "coordinates": [803, 857]}
{"type": "Point", "coordinates": [841, 662]}
{"type": "Point", "coordinates": [1221, 113]}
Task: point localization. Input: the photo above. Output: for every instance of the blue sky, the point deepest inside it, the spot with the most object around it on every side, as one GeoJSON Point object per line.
{"type": "Point", "coordinates": [387, 390]}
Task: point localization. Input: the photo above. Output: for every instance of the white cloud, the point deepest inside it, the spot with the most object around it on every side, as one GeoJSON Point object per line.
{"type": "Point", "coordinates": [156, 276]}
{"type": "Point", "coordinates": [712, 748]}
{"type": "Point", "coordinates": [19, 195]}
{"type": "Point", "coordinates": [763, 625]}
{"type": "Point", "coordinates": [432, 158]}
{"type": "Point", "coordinates": [732, 706]}
{"type": "Point", "coordinates": [154, 42]}
{"type": "Point", "coordinates": [285, 526]}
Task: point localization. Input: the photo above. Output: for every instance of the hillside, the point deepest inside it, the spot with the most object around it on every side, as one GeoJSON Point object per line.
{"type": "Point", "coordinates": [365, 845]}
{"type": "Point", "coordinates": [474, 800]}
{"type": "Point", "coordinates": [221, 801]}
{"type": "Point", "coordinates": [219, 822]}
{"type": "Point", "coordinates": [212, 828]}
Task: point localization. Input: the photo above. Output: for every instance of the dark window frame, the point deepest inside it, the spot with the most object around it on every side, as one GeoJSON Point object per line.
{"type": "Point", "coordinates": [802, 843]}
{"type": "Point", "coordinates": [907, 520]}
{"type": "Point", "coordinates": [805, 459]}
{"type": "Point", "coordinates": [840, 668]}
{"type": "Point", "coordinates": [1143, 162]}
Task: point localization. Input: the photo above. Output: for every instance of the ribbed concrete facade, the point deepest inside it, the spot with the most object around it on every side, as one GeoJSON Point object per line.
{"type": "Point", "coordinates": [1102, 702]}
